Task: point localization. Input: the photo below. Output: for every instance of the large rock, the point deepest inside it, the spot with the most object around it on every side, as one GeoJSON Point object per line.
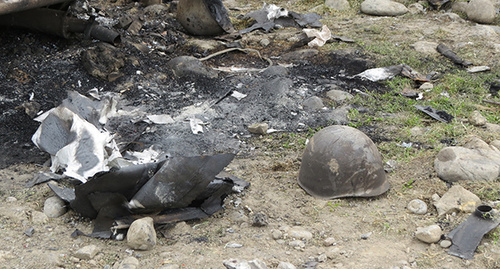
{"type": "Point", "coordinates": [383, 8]}
{"type": "Point", "coordinates": [482, 11]}
{"type": "Point", "coordinates": [142, 235]}
{"type": "Point", "coordinates": [474, 161]}
{"type": "Point", "coordinates": [54, 207]}
{"type": "Point", "coordinates": [430, 234]}
{"type": "Point", "coordinates": [457, 199]}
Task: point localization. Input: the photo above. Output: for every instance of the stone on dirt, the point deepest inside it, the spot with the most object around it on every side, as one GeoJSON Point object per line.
{"type": "Point", "coordinates": [259, 220]}
{"type": "Point", "coordinates": [426, 47]}
{"type": "Point", "coordinates": [383, 8]}
{"type": "Point", "coordinates": [477, 119]}
{"type": "Point", "coordinates": [301, 233]}
{"type": "Point", "coordinates": [127, 263]}
{"type": "Point", "coordinates": [482, 11]}
{"type": "Point", "coordinates": [142, 235]}
{"type": "Point", "coordinates": [445, 243]}
{"type": "Point", "coordinates": [87, 252]}
{"type": "Point", "coordinates": [475, 161]}
{"type": "Point", "coordinates": [258, 128]}
{"type": "Point", "coordinates": [243, 264]}
{"type": "Point", "coordinates": [54, 207]}
{"type": "Point", "coordinates": [338, 95]}
{"type": "Point", "coordinates": [416, 8]}
{"type": "Point", "coordinates": [39, 217]}
{"type": "Point", "coordinates": [185, 66]}
{"type": "Point", "coordinates": [285, 265]}
{"type": "Point", "coordinates": [417, 206]}
{"type": "Point", "coordinates": [330, 241]}
{"type": "Point", "coordinates": [313, 103]}
{"type": "Point", "coordinates": [457, 199]}
{"type": "Point", "coordinates": [430, 234]}
{"type": "Point", "coordinates": [338, 4]}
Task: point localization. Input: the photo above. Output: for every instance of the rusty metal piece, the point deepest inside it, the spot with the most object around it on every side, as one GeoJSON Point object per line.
{"type": "Point", "coordinates": [56, 22]}
{"type": "Point", "coordinates": [12, 6]}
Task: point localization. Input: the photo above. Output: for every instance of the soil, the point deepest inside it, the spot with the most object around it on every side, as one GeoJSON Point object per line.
{"type": "Point", "coordinates": [38, 69]}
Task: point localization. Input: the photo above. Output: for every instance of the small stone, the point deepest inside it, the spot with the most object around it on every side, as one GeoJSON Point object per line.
{"type": "Point", "coordinates": [297, 244]}
{"type": "Point", "coordinates": [29, 232]}
{"type": "Point", "coordinates": [243, 264]}
{"type": "Point", "coordinates": [322, 258]}
{"type": "Point", "coordinates": [427, 86]}
{"type": "Point", "coordinates": [259, 220]}
{"type": "Point", "coordinates": [445, 243]}
{"type": "Point", "coordinates": [38, 217]}
{"type": "Point", "coordinates": [299, 233]}
{"type": "Point", "coordinates": [127, 263]}
{"type": "Point", "coordinates": [185, 66]}
{"type": "Point", "coordinates": [426, 47]}
{"type": "Point", "coordinates": [482, 11]}
{"type": "Point", "coordinates": [417, 206]}
{"type": "Point", "coordinates": [286, 265]}
{"type": "Point", "coordinates": [87, 252]}
{"type": "Point", "coordinates": [330, 241]}
{"type": "Point", "coordinates": [477, 119]}
{"type": "Point", "coordinates": [338, 4]}
{"type": "Point", "coordinates": [477, 69]}
{"type": "Point", "coordinates": [429, 234]}
{"type": "Point", "coordinates": [258, 128]}
{"type": "Point", "coordinates": [264, 42]}
{"type": "Point", "coordinates": [313, 103]}
{"type": "Point", "coordinates": [366, 236]}
{"type": "Point", "coordinates": [10, 199]}
{"type": "Point", "coordinates": [276, 234]}
{"type": "Point", "coordinates": [338, 95]}
{"type": "Point", "coordinates": [141, 235]}
{"type": "Point", "coordinates": [383, 8]}
{"type": "Point", "coordinates": [435, 197]}
{"type": "Point", "coordinates": [54, 207]}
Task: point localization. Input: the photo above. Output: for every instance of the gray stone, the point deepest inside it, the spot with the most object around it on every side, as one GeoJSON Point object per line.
{"type": "Point", "coordinates": [127, 263]}
{"type": "Point", "coordinates": [427, 86]}
{"type": "Point", "coordinates": [338, 4]}
{"type": "Point", "coordinates": [383, 8]}
{"type": "Point", "coordinates": [301, 233]}
{"type": "Point", "coordinates": [259, 220]}
{"type": "Point", "coordinates": [459, 7]}
{"type": "Point", "coordinates": [87, 252]}
{"type": "Point", "coordinates": [330, 241]}
{"type": "Point", "coordinates": [477, 119]}
{"type": "Point", "coordinates": [184, 66]}
{"type": "Point", "coordinates": [430, 234]}
{"type": "Point", "coordinates": [39, 217]}
{"type": "Point", "coordinates": [474, 162]}
{"type": "Point", "coordinates": [297, 244]}
{"type": "Point", "coordinates": [338, 95]}
{"type": "Point", "coordinates": [366, 235]}
{"type": "Point", "coordinates": [264, 42]}
{"type": "Point", "coordinates": [426, 47]}
{"type": "Point", "coordinates": [54, 207]}
{"type": "Point", "coordinates": [322, 258]}
{"type": "Point", "coordinates": [300, 55]}
{"type": "Point", "coordinates": [204, 44]}
{"type": "Point", "coordinates": [142, 235]}
{"type": "Point", "coordinates": [417, 206]}
{"type": "Point", "coordinates": [495, 143]}
{"type": "Point", "coordinates": [313, 103]}
{"type": "Point", "coordinates": [258, 128]}
{"type": "Point", "coordinates": [275, 70]}
{"type": "Point", "coordinates": [492, 127]}
{"type": "Point", "coordinates": [445, 243]}
{"type": "Point", "coordinates": [457, 199]}
{"type": "Point", "coordinates": [243, 264]}
{"type": "Point", "coordinates": [276, 234]}
{"type": "Point", "coordinates": [450, 17]}
{"type": "Point", "coordinates": [482, 11]}
{"type": "Point", "coordinates": [285, 265]}
{"type": "Point", "coordinates": [416, 8]}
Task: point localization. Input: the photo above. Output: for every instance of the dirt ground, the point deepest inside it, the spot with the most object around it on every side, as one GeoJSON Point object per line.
{"type": "Point", "coordinates": [272, 170]}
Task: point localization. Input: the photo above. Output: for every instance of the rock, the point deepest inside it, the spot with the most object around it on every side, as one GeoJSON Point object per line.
{"type": "Point", "coordinates": [474, 162]}
{"type": "Point", "coordinates": [426, 47]}
{"type": "Point", "coordinates": [492, 127]}
{"type": "Point", "coordinates": [366, 235]}
{"type": "Point", "coordinates": [459, 7]}
{"type": "Point", "coordinates": [185, 66]}
{"type": "Point", "coordinates": [276, 234]}
{"type": "Point", "coordinates": [427, 86]}
{"type": "Point", "coordinates": [457, 199]}
{"type": "Point", "coordinates": [383, 8]}
{"type": "Point", "coordinates": [127, 263]}
{"type": "Point", "coordinates": [10, 199]}
{"type": "Point", "coordinates": [338, 4]}
{"type": "Point", "coordinates": [258, 128]}
{"type": "Point", "coordinates": [38, 217]}
{"type": "Point", "coordinates": [243, 264]}
{"type": "Point", "coordinates": [416, 8]}
{"type": "Point", "coordinates": [330, 241]}
{"type": "Point", "coordinates": [477, 119]}
{"type": "Point", "coordinates": [285, 265]}
{"type": "Point", "coordinates": [299, 233]}
{"type": "Point", "coordinates": [482, 11]}
{"type": "Point", "coordinates": [297, 244]}
{"type": "Point", "coordinates": [87, 252]}
{"type": "Point", "coordinates": [450, 17]}
{"type": "Point", "coordinates": [300, 55]}
{"type": "Point", "coordinates": [142, 235]}
{"type": "Point", "coordinates": [54, 207]}
{"type": "Point", "coordinates": [313, 103]}
{"type": "Point", "coordinates": [259, 220]}
{"type": "Point", "coordinates": [430, 234]}
{"type": "Point", "coordinates": [204, 44]}
{"type": "Point", "coordinates": [445, 243]}
{"type": "Point", "coordinates": [417, 206]}
{"type": "Point", "coordinates": [338, 95]}
{"type": "Point", "coordinates": [495, 143]}
{"type": "Point", "coordinates": [264, 42]}
{"type": "Point", "coordinates": [322, 258]}
{"type": "Point", "coordinates": [275, 70]}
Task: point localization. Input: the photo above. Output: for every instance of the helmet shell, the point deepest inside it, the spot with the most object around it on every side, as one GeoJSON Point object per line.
{"type": "Point", "coordinates": [341, 161]}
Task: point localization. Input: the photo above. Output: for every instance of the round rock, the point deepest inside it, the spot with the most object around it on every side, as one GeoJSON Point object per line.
{"type": "Point", "coordinates": [340, 161]}
{"type": "Point", "coordinates": [482, 11]}
{"type": "Point", "coordinates": [54, 207]}
{"type": "Point", "coordinates": [142, 235]}
{"type": "Point", "coordinates": [417, 206]}
{"type": "Point", "coordinates": [430, 234]}
{"type": "Point", "coordinates": [383, 8]}
{"type": "Point", "coordinates": [477, 119]}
